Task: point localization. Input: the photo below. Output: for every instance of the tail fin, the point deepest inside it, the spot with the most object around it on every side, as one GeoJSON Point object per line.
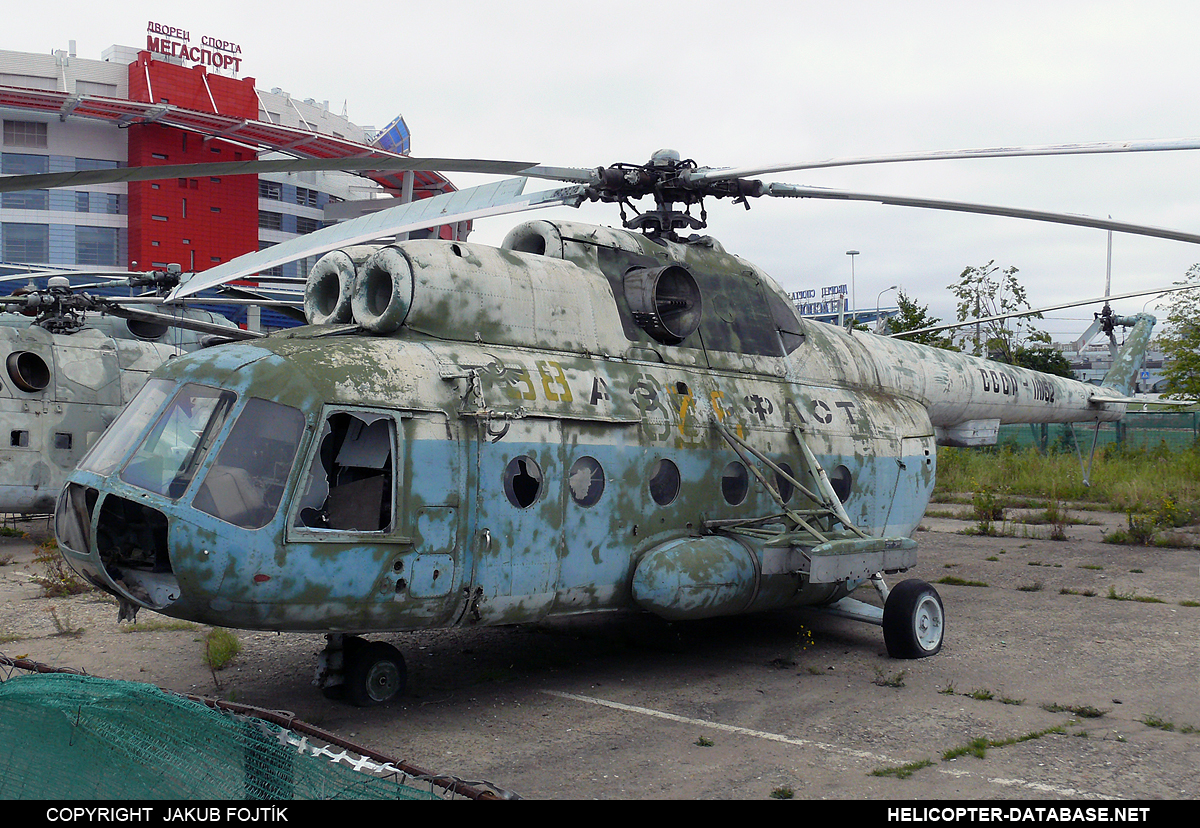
{"type": "Point", "coordinates": [1128, 362]}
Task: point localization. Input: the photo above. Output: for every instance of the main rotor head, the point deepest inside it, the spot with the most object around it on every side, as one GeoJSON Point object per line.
{"type": "Point", "coordinates": [672, 181]}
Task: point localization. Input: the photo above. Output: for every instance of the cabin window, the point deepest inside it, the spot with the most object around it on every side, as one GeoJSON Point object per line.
{"type": "Point", "coordinates": [735, 483]}
{"type": "Point", "coordinates": [168, 458]}
{"type": "Point", "coordinates": [664, 482]}
{"type": "Point", "coordinates": [522, 481]}
{"type": "Point", "coordinates": [783, 485]}
{"type": "Point", "coordinates": [841, 480]}
{"type": "Point", "coordinates": [586, 481]}
{"type": "Point", "coordinates": [246, 482]}
{"type": "Point", "coordinates": [351, 478]}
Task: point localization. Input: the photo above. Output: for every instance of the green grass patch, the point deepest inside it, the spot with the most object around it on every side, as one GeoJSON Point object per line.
{"type": "Point", "coordinates": [220, 646]}
{"type": "Point", "coordinates": [1083, 711]}
{"type": "Point", "coordinates": [980, 746]}
{"type": "Point", "coordinates": [884, 680]}
{"type": "Point", "coordinates": [158, 626]}
{"type": "Point", "coordinates": [1131, 596]}
{"type": "Point", "coordinates": [953, 580]}
{"type": "Point", "coordinates": [903, 771]}
{"type": "Point", "coordinates": [1120, 480]}
{"type": "Point", "coordinates": [1151, 720]}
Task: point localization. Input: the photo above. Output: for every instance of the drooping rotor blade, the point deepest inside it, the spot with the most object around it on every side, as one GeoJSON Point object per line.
{"type": "Point", "coordinates": [477, 202]}
{"type": "Point", "coordinates": [291, 310]}
{"type": "Point", "coordinates": [800, 191]}
{"type": "Point", "coordinates": [43, 181]}
{"type": "Point", "coordinates": [197, 325]}
{"type": "Point", "coordinates": [1034, 312]}
{"type": "Point", "coordinates": [43, 274]}
{"type": "Point", "coordinates": [944, 155]}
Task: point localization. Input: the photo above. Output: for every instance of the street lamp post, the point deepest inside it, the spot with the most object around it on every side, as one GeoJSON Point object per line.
{"type": "Point", "coordinates": [854, 316]}
{"type": "Point", "coordinates": [877, 298]}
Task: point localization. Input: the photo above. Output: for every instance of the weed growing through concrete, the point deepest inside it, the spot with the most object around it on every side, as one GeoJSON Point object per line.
{"type": "Point", "coordinates": [1131, 596]}
{"type": "Point", "coordinates": [1084, 711]}
{"type": "Point", "coordinates": [894, 680]}
{"type": "Point", "coordinates": [980, 746]}
{"type": "Point", "coordinates": [903, 771]}
{"type": "Point", "coordinates": [954, 580]}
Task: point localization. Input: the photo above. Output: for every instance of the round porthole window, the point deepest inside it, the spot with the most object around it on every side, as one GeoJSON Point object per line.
{"type": "Point", "coordinates": [522, 481]}
{"type": "Point", "coordinates": [664, 482]}
{"type": "Point", "coordinates": [783, 485]}
{"type": "Point", "coordinates": [735, 482]}
{"type": "Point", "coordinates": [841, 481]}
{"type": "Point", "coordinates": [586, 481]}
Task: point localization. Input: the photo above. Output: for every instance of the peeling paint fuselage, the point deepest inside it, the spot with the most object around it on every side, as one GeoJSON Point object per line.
{"type": "Point", "coordinates": [528, 442]}
{"type": "Point", "coordinates": [88, 378]}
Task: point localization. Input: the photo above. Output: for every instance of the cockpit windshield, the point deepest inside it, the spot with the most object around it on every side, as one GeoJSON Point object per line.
{"type": "Point", "coordinates": [167, 459]}
{"type": "Point", "coordinates": [116, 442]}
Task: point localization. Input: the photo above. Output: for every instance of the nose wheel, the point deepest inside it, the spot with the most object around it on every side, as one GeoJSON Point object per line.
{"type": "Point", "coordinates": [914, 620]}
{"type": "Point", "coordinates": [364, 673]}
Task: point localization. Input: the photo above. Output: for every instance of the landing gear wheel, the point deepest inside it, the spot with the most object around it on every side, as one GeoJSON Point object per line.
{"type": "Point", "coordinates": [375, 673]}
{"type": "Point", "coordinates": [914, 620]}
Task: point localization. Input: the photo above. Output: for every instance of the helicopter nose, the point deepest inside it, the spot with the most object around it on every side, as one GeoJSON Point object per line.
{"type": "Point", "coordinates": [126, 555]}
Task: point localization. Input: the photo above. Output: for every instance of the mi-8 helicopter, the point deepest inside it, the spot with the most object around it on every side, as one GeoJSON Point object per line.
{"type": "Point", "coordinates": [583, 419]}
{"type": "Point", "coordinates": [72, 361]}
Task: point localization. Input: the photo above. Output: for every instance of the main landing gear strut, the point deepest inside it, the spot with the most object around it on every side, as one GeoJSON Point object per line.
{"type": "Point", "coordinates": [364, 673]}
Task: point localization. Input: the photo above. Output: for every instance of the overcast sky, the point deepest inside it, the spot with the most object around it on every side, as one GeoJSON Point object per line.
{"type": "Point", "coordinates": [739, 83]}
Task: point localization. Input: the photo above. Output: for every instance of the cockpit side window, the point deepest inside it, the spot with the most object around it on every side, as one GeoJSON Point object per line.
{"type": "Point", "coordinates": [350, 485]}
{"type": "Point", "coordinates": [246, 481]}
{"type": "Point", "coordinates": [168, 458]}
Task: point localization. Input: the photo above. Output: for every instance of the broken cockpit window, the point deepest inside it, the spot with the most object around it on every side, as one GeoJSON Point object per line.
{"type": "Point", "coordinates": [350, 480]}
{"type": "Point", "coordinates": [246, 482]}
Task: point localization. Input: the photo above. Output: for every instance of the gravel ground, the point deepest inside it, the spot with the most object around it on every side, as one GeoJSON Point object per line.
{"type": "Point", "coordinates": [1065, 692]}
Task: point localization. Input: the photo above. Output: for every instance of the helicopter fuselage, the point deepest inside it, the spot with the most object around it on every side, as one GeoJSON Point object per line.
{"type": "Point", "coordinates": [562, 425]}
{"type": "Point", "coordinates": [61, 389]}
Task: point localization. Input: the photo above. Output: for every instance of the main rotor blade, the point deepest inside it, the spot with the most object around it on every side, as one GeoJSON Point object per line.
{"type": "Point", "coordinates": [498, 198]}
{"type": "Point", "coordinates": [1078, 303]}
{"type": "Point", "coordinates": [800, 191]}
{"type": "Point", "coordinates": [197, 325]}
{"type": "Point", "coordinates": [942, 155]}
{"type": "Point", "coordinates": [360, 163]}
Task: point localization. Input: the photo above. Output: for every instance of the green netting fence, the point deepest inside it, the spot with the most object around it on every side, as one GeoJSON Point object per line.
{"type": "Point", "coordinates": [66, 736]}
{"type": "Point", "coordinates": [1177, 430]}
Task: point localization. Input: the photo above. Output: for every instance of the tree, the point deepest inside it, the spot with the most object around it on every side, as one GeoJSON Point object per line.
{"type": "Point", "coordinates": [1045, 359]}
{"type": "Point", "coordinates": [1181, 340]}
{"type": "Point", "coordinates": [913, 317]}
{"type": "Point", "coordinates": [988, 291]}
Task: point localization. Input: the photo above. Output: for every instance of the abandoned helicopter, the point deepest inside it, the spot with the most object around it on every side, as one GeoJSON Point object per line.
{"type": "Point", "coordinates": [70, 370]}
{"type": "Point", "coordinates": [582, 420]}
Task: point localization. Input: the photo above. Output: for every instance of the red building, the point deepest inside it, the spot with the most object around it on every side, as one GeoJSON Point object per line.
{"type": "Point", "coordinates": [197, 222]}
